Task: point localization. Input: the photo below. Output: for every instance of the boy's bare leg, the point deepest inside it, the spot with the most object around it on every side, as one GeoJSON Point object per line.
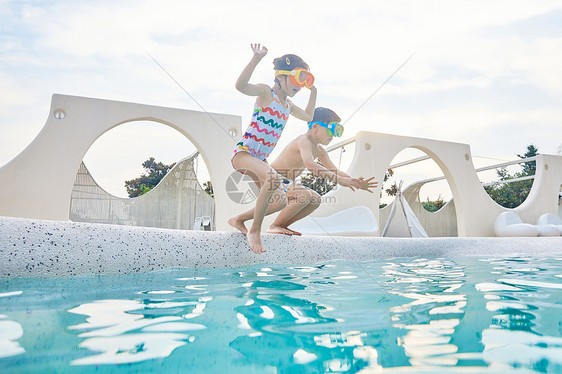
{"type": "Point", "coordinates": [274, 229]}
{"type": "Point", "coordinates": [279, 226]}
{"type": "Point", "coordinates": [302, 202]}
{"type": "Point", "coordinates": [311, 207]}
{"type": "Point", "coordinates": [297, 200]}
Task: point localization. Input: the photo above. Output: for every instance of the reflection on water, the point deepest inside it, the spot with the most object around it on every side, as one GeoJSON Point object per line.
{"type": "Point", "coordinates": [421, 315]}
{"type": "Point", "coordinates": [300, 328]}
{"type": "Point", "coordinates": [525, 330]}
{"type": "Point", "coordinates": [125, 337]}
{"type": "Point", "coordinates": [432, 310]}
{"type": "Point", "coordinates": [10, 332]}
{"type": "Point", "coordinates": [134, 330]}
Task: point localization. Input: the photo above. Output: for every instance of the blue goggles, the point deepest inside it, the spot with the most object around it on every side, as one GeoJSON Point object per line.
{"type": "Point", "coordinates": [335, 127]}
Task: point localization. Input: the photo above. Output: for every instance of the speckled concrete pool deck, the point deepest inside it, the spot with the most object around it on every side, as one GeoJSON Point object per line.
{"type": "Point", "coordinates": [39, 248]}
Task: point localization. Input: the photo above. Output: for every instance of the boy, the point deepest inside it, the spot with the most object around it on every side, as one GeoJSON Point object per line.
{"type": "Point", "coordinates": [300, 154]}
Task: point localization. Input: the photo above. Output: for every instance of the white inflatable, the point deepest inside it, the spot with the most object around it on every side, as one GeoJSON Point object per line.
{"type": "Point", "coordinates": [509, 224]}
{"type": "Point", "coordinates": [202, 223]}
{"type": "Point", "coordinates": [551, 219]}
{"type": "Point", "coordinates": [356, 221]}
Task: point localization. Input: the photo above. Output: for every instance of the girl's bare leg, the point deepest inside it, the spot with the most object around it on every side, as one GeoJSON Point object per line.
{"type": "Point", "coordinates": [269, 181]}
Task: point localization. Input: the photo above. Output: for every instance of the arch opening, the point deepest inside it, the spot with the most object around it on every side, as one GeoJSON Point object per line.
{"type": "Point", "coordinates": [508, 186]}
{"type": "Point", "coordinates": [122, 154]}
{"type": "Point", "coordinates": [425, 189]}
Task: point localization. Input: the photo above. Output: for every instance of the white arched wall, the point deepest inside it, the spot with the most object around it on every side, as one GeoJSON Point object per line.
{"type": "Point", "coordinates": [38, 182]}
{"type": "Point", "coordinates": [475, 210]}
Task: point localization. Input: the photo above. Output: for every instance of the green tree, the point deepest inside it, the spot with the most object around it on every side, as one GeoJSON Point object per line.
{"type": "Point", "coordinates": [320, 185]}
{"type": "Point", "coordinates": [529, 168]}
{"type": "Point", "coordinates": [511, 195]}
{"type": "Point", "coordinates": [392, 191]}
{"type": "Point", "coordinates": [315, 183]}
{"type": "Point", "coordinates": [155, 171]}
{"type": "Point", "coordinates": [433, 206]}
{"type": "Point", "coordinates": [208, 187]}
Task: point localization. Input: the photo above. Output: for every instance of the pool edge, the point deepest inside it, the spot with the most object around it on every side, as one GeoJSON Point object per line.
{"type": "Point", "coordinates": [40, 248]}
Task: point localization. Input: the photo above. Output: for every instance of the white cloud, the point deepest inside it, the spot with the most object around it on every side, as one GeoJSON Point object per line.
{"type": "Point", "coordinates": [469, 80]}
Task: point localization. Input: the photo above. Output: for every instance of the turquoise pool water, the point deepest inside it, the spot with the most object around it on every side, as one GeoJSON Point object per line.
{"type": "Point", "coordinates": [401, 315]}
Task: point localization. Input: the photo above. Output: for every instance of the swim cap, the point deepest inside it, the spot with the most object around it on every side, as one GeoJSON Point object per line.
{"type": "Point", "coordinates": [289, 62]}
{"type": "Point", "coordinates": [325, 115]}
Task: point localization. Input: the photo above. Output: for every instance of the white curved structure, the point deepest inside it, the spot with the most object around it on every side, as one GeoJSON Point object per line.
{"type": "Point", "coordinates": [177, 202]}
{"type": "Point", "coordinates": [74, 124]}
{"type": "Point", "coordinates": [475, 211]}
{"type": "Point", "coordinates": [441, 223]}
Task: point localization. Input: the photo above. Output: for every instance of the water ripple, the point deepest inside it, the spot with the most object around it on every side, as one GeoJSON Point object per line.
{"type": "Point", "coordinates": [407, 315]}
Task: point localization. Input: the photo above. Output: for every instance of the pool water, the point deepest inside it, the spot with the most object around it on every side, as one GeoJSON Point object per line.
{"type": "Point", "coordinates": [408, 315]}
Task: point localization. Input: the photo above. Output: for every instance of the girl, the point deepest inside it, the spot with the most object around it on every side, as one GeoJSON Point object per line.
{"type": "Point", "coordinates": [271, 112]}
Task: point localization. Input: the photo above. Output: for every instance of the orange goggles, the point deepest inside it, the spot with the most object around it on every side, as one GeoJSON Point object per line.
{"type": "Point", "coordinates": [299, 77]}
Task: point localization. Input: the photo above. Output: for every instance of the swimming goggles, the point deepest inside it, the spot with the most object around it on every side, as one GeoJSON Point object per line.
{"type": "Point", "coordinates": [299, 77]}
{"type": "Point", "coordinates": [335, 127]}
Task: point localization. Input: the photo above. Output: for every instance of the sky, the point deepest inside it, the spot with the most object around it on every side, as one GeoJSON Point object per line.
{"type": "Point", "coordinates": [485, 73]}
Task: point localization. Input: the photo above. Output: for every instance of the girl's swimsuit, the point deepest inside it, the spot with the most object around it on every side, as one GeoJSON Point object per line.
{"type": "Point", "coordinates": [265, 129]}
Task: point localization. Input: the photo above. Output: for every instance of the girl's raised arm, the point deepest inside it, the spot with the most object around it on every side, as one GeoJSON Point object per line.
{"type": "Point", "coordinates": [242, 84]}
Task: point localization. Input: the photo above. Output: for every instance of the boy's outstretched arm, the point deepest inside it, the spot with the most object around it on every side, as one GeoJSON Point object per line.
{"type": "Point", "coordinates": [327, 162]}
{"type": "Point", "coordinates": [242, 84]}
{"type": "Point", "coordinates": [305, 149]}
{"type": "Point", "coordinates": [362, 183]}
{"type": "Point", "coordinates": [307, 114]}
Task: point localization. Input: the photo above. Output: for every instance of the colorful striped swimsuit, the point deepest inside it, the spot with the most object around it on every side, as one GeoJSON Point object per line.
{"type": "Point", "coordinates": [265, 129]}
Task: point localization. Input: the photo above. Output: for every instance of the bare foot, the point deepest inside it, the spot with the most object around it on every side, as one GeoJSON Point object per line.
{"type": "Point", "coordinates": [254, 239]}
{"type": "Point", "coordinates": [295, 232]}
{"type": "Point", "coordinates": [279, 230]}
{"type": "Point", "coordinates": [238, 224]}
